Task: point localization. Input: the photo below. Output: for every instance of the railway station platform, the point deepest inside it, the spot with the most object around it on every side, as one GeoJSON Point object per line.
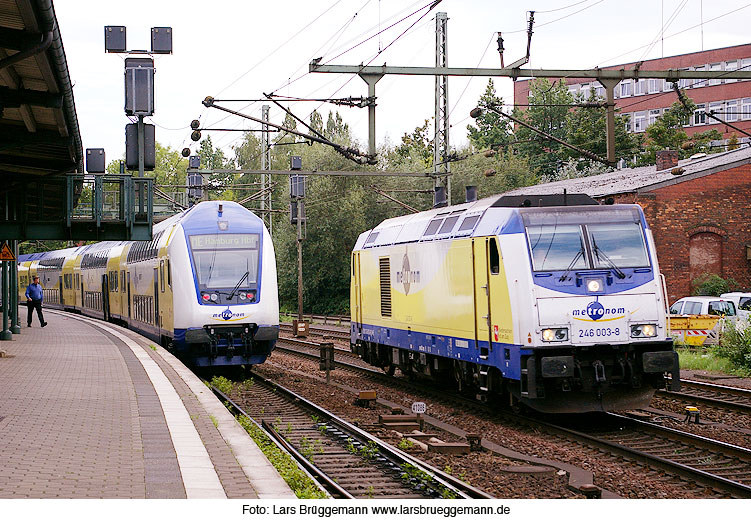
{"type": "Point", "coordinates": [91, 410]}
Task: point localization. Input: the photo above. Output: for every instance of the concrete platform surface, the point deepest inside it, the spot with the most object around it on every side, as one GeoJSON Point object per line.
{"type": "Point", "coordinates": [91, 410]}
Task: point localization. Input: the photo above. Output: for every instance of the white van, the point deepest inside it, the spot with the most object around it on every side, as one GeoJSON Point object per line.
{"type": "Point", "coordinates": [742, 302]}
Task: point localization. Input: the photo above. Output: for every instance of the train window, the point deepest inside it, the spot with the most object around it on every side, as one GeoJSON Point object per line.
{"type": "Point", "coordinates": [372, 237]}
{"type": "Point", "coordinates": [745, 304]}
{"type": "Point", "coordinates": [494, 257]}
{"type": "Point", "coordinates": [448, 224]}
{"type": "Point", "coordinates": [122, 278]}
{"type": "Point", "coordinates": [161, 274]}
{"type": "Point", "coordinates": [432, 227]}
{"type": "Point", "coordinates": [469, 223]}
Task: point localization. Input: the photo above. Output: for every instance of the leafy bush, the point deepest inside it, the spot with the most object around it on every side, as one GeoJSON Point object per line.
{"type": "Point", "coordinates": [713, 285]}
{"type": "Point", "coordinates": [735, 345]}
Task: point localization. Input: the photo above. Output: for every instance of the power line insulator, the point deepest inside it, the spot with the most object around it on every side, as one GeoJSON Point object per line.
{"type": "Point", "coordinates": [195, 135]}
{"type": "Point", "coordinates": [195, 124]}
{"type": "Point", "coordinates": [185, 152]}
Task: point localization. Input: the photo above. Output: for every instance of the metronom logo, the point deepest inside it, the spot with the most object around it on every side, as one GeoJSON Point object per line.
{"type": "Point", "coordinates": [596, 310]}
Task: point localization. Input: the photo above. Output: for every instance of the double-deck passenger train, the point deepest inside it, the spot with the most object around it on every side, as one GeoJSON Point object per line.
{"type": "Point", "coordinates": [561, 308]}
{"type": "Point", "coordinates": [206, 284]}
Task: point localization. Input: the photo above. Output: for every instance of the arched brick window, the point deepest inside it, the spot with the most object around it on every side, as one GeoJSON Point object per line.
{"type": "Point", "coordinates": [705, 252]}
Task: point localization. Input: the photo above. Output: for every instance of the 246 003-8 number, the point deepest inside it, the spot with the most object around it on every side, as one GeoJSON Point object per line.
{"type": "Point", "coordinates": [602, 332]}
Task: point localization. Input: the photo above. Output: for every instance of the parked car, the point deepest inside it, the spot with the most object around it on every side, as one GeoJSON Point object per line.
{"type": "Point", "coordinates": [705, 306]}
{"type": "Point", "coordinates": [700, 320]}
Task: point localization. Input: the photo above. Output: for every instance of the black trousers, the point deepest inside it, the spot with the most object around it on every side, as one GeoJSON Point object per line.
{"type": "Point", "coordinates": [34, 305]}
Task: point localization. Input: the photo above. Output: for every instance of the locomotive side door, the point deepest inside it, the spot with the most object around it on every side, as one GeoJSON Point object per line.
{"type": "Point", "coordinates": [481, 282]}
{"type": "Point", "coordinates": [357, 294]}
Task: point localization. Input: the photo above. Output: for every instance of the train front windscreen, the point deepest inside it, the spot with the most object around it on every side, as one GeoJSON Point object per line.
{"type": "Point", "coordinates": [579, 240]}
{"type": "Point", "coordinates": [226, 260]}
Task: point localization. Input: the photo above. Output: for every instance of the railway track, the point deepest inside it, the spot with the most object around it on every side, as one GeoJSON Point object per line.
{"type": "Point", "coordinates": [348, 462]}
{"type": "Point", "coordinates": [725, 397]}
{"type": "Point", "coordinates": [722, 468]}
{"type": "Point", "coordinates": [340, 335]}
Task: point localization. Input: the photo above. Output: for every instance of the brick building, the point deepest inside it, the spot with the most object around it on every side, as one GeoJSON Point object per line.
{"type": "Point", "coordinates": [699, 211]}
{"type": "Point", "coordinates": [643, 101]}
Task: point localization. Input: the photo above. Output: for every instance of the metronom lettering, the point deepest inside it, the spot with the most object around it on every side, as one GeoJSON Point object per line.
{"type": "Point", "coordinates": [591, 311]}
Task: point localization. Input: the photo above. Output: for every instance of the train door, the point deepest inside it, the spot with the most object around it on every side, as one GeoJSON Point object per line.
{"type": "Point", "coordinates": [105, 297]}
{"type": "Point", "coordinates": [501, 320]}
{"type": "Point", "coordinates": [60, 288]}
{"type": "Point", "coordinates": [129, 303]}
{"type": "Point", "coordinates": [358, 291]}
{"type": "Point", "coordinates": [481, 280]}
{"type": "Point", "coordinates": [157, 323]}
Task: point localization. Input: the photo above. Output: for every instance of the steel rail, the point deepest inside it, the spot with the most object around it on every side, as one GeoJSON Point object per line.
{"type": "Point", "coordinates": [720, 401]}
{"type": "Point", "coordinates": [650, 460]}
{"type": "Point", "coordinates": [463, 490]}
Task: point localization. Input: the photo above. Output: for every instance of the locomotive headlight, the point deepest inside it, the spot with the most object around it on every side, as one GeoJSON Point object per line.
{"type": "Point", "coordinates": [594, 285]}
{"type": "Point", "coordinates": [554, 335]}
{"type": "Point", "coordinates": [643, 331]}
{"type": "Point", "coordinates": [214, 297]}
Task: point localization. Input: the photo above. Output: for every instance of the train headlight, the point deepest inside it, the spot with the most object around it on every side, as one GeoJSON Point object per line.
{"type": "Point", "coordinates": [643, 331]}
{"type": "Point", "coordinates": [554, 335]}
{"type": "Point", "coordinates": [594, 285]}
{"type": "Point", "coordinates": [214, 297]}
{"type": "Point", "coordinates": [206, 297]}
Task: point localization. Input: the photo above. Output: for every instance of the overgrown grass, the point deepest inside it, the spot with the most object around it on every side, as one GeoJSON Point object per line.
{"type": "Point", "coordinates": [708, 359]}
{"type": "Point", "coordinates": [298, 481]}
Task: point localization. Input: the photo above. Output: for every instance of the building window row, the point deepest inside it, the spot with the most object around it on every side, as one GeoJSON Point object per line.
{"type": "Point", "coordinates": [733, 110]}
{"type": "Point", "coordinates": [640, 87]}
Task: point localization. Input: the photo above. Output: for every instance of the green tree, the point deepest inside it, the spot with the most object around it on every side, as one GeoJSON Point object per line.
{"type": "Point", "coordinates": [417, 146]}
{"type": "Point", "coordinates": [667, 133]}
{"type": "Point", "coordinates": [548, 111]}
{"type": "Point", "coordinates": [586, 128]}
{"type": "Point", "coordinates": [492, 131]}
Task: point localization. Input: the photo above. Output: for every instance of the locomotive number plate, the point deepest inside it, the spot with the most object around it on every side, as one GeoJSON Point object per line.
{"type": "Point", "coordinates": [594, 332]}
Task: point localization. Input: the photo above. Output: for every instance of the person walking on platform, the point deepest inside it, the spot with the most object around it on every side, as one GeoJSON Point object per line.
{"type": "Point", "coordinates": [34, 296]}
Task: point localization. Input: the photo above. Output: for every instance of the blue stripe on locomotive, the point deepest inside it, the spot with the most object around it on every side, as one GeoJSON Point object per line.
{"type": "Point", "coordinates": [505, 357]}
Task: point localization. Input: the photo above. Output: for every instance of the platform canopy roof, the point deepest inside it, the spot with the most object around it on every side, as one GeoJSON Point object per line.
{"type": "Point", "coordinates": [39, 134]}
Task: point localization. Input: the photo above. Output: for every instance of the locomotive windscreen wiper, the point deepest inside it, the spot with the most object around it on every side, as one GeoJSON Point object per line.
{"type": "Point", "coordinates": [570, 267]}
{"type": "Point", "coordinates": [601, 255]}
{"type": "Point", "coordinates": [243, 278]}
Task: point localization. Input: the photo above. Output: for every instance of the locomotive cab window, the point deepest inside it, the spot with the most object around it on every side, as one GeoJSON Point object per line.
{"type": "Point", "coordinates": [581, 240]}
{"type": "Point", "coordinates": [494, 257]}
